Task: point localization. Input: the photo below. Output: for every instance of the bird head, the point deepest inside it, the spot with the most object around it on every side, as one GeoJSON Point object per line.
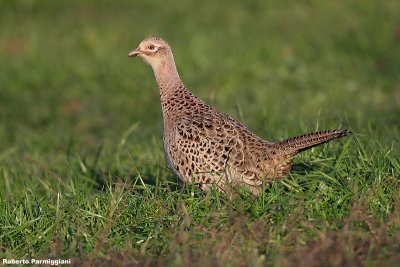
{"type": "Point", "coordinates": [153, 50]}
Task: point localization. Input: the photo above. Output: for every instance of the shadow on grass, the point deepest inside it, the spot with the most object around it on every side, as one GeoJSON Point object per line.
{"type": "Point", "coordinates": [301, 168]}
{"type": "Point", "coordinates": [102, 180]}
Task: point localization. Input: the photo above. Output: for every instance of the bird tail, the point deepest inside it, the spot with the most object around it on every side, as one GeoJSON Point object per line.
{"type": "Point", "coordinates": [306, 141]}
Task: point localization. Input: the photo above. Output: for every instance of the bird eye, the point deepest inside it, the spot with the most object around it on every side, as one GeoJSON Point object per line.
{"type": "Point", "coordinates": [151, 47]}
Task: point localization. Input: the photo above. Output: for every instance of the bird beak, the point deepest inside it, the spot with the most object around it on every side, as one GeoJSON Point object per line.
{"type": "Point", "coordinates": [135, 52]}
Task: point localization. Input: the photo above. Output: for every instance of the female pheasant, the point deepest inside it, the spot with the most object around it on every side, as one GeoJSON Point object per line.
{"type": "Point", "coordinates": [207, 147]}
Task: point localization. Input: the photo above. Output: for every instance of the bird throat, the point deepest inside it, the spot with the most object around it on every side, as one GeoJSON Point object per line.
{"type": "Point", "coordinates": [167, 78]}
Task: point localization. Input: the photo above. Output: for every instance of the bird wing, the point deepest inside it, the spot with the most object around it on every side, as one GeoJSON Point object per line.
{"type": "Point", "coordinates": [207, 148]}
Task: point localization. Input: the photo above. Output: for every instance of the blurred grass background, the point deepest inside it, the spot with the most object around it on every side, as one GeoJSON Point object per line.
{"type": "Point", "coordinates": [69, 94]}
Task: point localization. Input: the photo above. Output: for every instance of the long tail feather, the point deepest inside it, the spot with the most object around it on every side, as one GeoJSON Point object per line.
{"type": "Point", "coordinates": [306, 141]}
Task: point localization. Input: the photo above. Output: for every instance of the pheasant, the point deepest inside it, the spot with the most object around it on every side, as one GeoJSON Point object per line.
{"type": "Point", "coordinates": [208, 147]}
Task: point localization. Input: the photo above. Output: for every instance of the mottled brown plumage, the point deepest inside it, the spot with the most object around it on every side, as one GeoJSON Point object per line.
{"type": "Point", "coordinates": [208, 147]}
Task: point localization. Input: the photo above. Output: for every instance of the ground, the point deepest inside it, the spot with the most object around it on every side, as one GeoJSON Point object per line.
{"type": "Point", "coordinates": [82, 170]}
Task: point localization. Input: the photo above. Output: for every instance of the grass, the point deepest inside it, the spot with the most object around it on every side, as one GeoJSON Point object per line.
{"type": "Point", "coordinates": [82, 171]}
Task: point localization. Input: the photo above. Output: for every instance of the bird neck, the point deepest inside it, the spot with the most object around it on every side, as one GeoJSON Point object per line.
{"type": "Point", "coordinates": [167, 78]}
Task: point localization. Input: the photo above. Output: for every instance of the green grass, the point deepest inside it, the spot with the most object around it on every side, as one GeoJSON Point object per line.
{"type": "Point", "coordinates": [82, 171]}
